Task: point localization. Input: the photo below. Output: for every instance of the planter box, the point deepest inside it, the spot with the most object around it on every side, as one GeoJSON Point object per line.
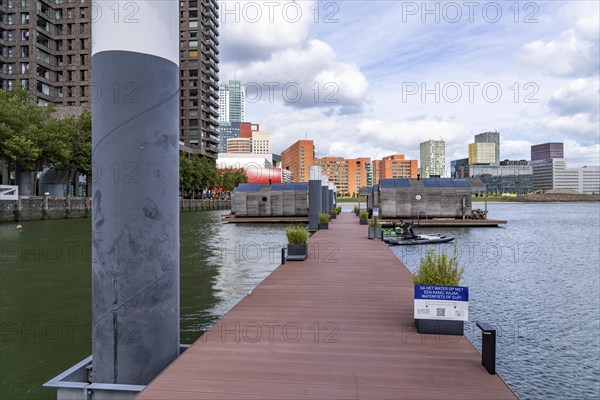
{"type": "Point", "coordinates": [439, 327]}
{"type": "Point", "coordinates": [364, 221]}
{"type": "Point", "coordinates": [323, 225]}
{"type": "Point", "coordinates": [333, 216]}
{"type": "Point", "coordinates": [297, 252]}
{"type": "Point", "coordinates": [375, 232]}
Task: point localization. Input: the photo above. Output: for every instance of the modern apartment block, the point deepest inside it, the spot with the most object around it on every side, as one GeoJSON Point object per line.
{"type": "Point", "coordinates": [433, 159]}
{"type": "Point", "coordinates": [547, 151]}
{"type": "Point", "coordinates": [348, 175]}
{"type": "Point", "coordinates": [239, 145]}
{"type": "Point", "coordinates": [232, 130]}
{"type": "Point", "coordinates": [491, 137]}
{"type": "Point", "coordinates": [397, 167]}
{"type": "Point", "coordinates": [298, 158]}
{"type": "Point", "coordinates": [260, 143]}
{"type": "Point", "coordinates": [46, 48]}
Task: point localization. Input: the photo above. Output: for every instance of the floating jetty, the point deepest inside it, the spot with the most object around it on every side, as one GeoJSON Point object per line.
{"type": "Point", "coordinates": [450, 223]}
{"type": "Point", "coordinates": [338, 325]}
{"type": "Point", "coordinates": [232, 218]}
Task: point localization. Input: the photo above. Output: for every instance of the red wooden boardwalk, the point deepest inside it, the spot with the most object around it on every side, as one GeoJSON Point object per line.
{"type": "Point", "coordinates": [336, 326]}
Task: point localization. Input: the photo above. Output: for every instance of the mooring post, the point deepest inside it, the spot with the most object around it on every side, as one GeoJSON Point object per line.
{"type": "Point", "coordinates": [488, 346]}
{"type": "Point", "coordinates": [314, 198]}
{"type": "Point", "coordinates": [135, 210]}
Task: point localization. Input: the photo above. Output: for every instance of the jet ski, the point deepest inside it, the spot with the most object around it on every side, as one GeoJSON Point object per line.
{"type": "Point", "coordinates": [404, 235]}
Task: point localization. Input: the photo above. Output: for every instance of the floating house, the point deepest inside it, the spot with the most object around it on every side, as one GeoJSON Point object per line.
{"type": "Point", "coordinates": [277, 200]}
{"type": "Point", "coordinates": [426, 198]}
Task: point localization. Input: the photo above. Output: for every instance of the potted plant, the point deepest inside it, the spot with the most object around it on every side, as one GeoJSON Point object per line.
{"type": "Point", "coordinates": [441, 305]}
{"type": "Point", "coordinates": [356, 210]}
{"type": "Point", "coordinates": [364, 218]}
{"type": "Point", "coordinates": [333, 213]}
{"type": "Point", "coordinates": [297, 249]}
{"type": "Point", "coordinates": [323, 221]}
{"type": "Point", "coordinates": [375, 230]}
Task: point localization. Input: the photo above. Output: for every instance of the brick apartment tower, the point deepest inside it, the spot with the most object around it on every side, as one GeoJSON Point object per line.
{"type": "Point", "coordinates": [46, 48]}
{"type": "Point", "coordinates": [298, 158]}
{"type": "Point", "coordinates": [348, 174]}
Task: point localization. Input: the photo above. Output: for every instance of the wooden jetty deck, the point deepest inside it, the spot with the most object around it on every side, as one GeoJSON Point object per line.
{"type": "Point", "coordinates": [338, 325]}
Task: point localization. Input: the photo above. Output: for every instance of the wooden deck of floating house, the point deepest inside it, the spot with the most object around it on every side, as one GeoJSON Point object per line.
{"type": "Point", "coordinates": [336, 326]}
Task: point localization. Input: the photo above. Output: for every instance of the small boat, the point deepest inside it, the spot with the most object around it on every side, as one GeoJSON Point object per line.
{"type": "Point", "coordinates": [417, 239]}
{"type": "Point", "coordinates": [404, 235]}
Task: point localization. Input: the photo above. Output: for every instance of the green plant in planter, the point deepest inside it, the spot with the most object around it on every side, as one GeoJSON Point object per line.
{"type": "Point", "coordinates": [439, 269]}
{"type": "Point", "coordinates": [356, 210]}
{"type": "Point", "coordinates": [296, 234]}
{"type": "Point", "coordinates": [375, 223]}
{"type": "Point", "coordinates": [338, 210]}
{"type": "Point", "coordinates": [363, 215]}
{"type": "Point", "coordinates": [323, 218]}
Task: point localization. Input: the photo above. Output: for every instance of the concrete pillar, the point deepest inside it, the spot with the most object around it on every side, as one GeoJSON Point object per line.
{"type": "Point", "coordinates": [325, 195]}
{"type": "Point", "coordinates": [331, 187]}
{"type": "Point", "coordinates": [314, 198]}
{"type": "Point", "coordinates": [135, 214]}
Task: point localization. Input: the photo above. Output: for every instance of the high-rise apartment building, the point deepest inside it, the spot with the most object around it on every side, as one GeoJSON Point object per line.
{"type": "Point", "coordinates": [199, 59]}
{"type": "Point", "coordinates": [491, 137]}
{"type": "Point", "coordinates": [232, 102]}
{"type": "Point", "coordinates": [397, 167]}
{"type": "Point", "coordinates": [433, 159]}
{"type": "Point", "coordinates": [348, 175]}
{"type": "Point", "coordinates": [547, 151]}
{"type": "Point", "coordinates": [46, 48]}
{"type": "Point", "coordinates": [298, 158]}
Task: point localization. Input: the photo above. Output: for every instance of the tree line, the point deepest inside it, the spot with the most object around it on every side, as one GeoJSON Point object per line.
{"type": "Point", "coordinates": [34, 137]}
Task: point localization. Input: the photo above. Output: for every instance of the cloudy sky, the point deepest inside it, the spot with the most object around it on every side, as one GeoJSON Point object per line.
{"type": "Point", "coordinates": [373, 78]}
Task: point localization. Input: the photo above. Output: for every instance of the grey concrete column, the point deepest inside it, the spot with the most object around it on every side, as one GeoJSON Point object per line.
{"type": "Point", "coordinates": [314, 198]}
{"type": "Point", "coordinates": [135, 213]}
{"type": "Point", "coordinates": [325, 195]}
{"type": "Point", "coordinates": [331, 196]}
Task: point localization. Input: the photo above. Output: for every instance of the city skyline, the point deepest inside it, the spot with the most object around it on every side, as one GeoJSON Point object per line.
{"type": "Point", "coordinates": [379, 76]}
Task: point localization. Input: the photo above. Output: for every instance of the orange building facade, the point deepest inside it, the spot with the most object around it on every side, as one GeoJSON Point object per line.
{"type": "Point", "coordinates": [348, 175]}
{"type": "Point", "coordinates": [394, 167]}
{"type": "Point", "coordinates": [298, 158]}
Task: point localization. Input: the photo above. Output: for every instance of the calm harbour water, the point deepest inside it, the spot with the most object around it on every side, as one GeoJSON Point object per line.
{"type": "Point", "coordinates": [536, 279]}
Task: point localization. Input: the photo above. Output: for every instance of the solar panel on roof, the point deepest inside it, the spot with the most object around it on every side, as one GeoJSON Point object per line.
{"type": "Point", "coordinates": [431, 182]}
{"type": "Point", "coordinates": [254, 188]}
{"type": "Point", "coordinates": [290, 186]}
{"type": "Point", "coordinates": [302, 186]}
{"type": "Point", "coordinates": [461, 183]}
{"type": "Point", "coordinates": [277, 187]}
{"type": "Point", "coordinates": [446, 183]}
{"type": "Point", "coordinates": [386, 183]}
{"type": "Point", "coordinates": [401, 183]}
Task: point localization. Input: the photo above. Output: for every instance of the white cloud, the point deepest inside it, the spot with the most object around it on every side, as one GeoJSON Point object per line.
{"type": "Point", "coordinates": [305, 77]}
{"type": "Point", "coordinates": [579, 96]}
{"type": "Point", "coordinates": [573, 53]}
{"type": "Point", "coordinates": [252, 30]}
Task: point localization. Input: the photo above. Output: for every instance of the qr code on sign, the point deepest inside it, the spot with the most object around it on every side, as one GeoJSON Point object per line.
{"type": "Point", "coordinates": [441, 312]}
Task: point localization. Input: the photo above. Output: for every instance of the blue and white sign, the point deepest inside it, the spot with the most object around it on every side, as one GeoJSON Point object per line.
{"type": "Point", "coordinates": [375, 211]}
{"type": "Point", "coordinates": [449, 303]}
